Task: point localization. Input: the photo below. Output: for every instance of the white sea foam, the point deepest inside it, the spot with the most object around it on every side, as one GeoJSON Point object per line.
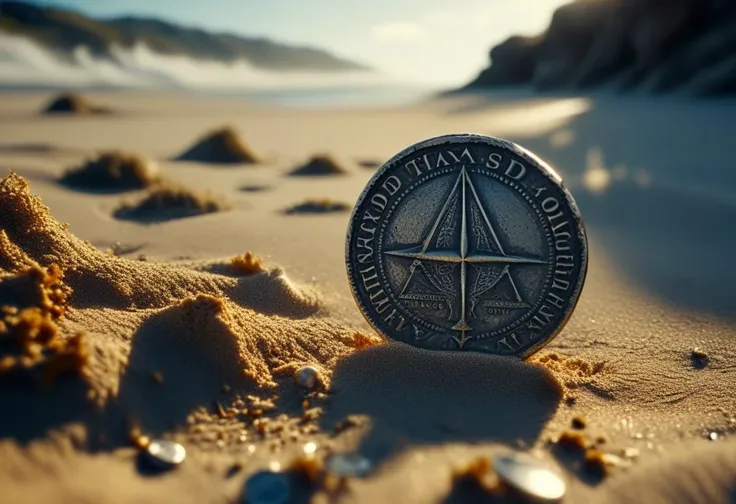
{"type": "Point", "coordinates": [25, 63]}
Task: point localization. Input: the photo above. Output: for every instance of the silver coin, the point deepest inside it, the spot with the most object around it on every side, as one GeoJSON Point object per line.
{"type": "Point", "coordinates": [349, 464]}
{"type": "Point", "coordinates": [165, 454]}
{"type": "Point", "coordinates": [530, 476]}
{"type": "Point", "coordinates": [306, 376]}
{"type": "Point", "coordinates": [466, 242]}
{"type": "Point", "coordinates": [267, 487]}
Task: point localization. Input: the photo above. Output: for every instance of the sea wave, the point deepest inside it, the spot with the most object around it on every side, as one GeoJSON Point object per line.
{"type": "Point", "coordinates": [26, 63]}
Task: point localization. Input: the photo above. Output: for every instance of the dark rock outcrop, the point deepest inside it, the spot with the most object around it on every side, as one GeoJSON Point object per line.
{"type": "Point", "coordinates": [69, 103]}
{"type": "Point", "coordinates": [655, 45]}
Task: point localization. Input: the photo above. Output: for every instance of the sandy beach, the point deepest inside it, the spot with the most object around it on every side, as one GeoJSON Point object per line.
{"type": "Point", "coordinates": [180, 342]}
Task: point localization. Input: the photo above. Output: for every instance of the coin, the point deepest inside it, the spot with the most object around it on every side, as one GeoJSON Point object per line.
{"type": "Point", "coordinates": [530, 476]}
{"type": "Point", "coordinates": [467, 242]}
{"type": "Point", "coordinates": [165, 454]}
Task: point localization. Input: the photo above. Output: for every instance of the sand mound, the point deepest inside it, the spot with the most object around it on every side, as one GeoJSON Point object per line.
{"type": "Point", "coordinates": [224, 146]}
{"type": "Point", "coordinates": [113, 171]}
{"type": "Point", "coordinates": [29, 235]}
{"type": "Point", "coordinates": [167, 202]}
{"type": "Point", "coordinates": [31, 303]}
{"type": "Point", "coordinates": [321, 164]}
{"type": "Point", "coordinates": [118, 321]}
{"type": "Point", "coordinates": [73, 104]}
{"type": "Point", "coordinates": [323, 205]}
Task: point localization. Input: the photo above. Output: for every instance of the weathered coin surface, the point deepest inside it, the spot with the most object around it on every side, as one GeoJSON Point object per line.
{"type": "Point", "coordinates": [466, 242]}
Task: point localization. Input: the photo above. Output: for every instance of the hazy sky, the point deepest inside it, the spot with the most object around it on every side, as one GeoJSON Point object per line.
{"type": "Point", "coordinates": [437, 41]}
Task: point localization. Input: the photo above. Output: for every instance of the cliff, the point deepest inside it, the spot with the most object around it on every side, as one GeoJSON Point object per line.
{"type": "Point", "coordinates": [649, 45]}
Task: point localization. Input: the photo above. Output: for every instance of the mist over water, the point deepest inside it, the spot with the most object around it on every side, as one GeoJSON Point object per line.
{"type": "Point", "coordinates": [25, 64]}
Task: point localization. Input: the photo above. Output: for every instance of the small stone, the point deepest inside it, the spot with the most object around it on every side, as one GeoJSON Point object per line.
{"type": "Point", "coordinates": [712, 436]}
{"type": "Point", "coordinates": [267, 487]}
{"type": "Point", "coordinates": [349, 464]}
{"type": "Point", "coordinates": [307, 377]}
{"type": "Point", "coordinates": [165, 454]}
{"type": "Point", "coordinates": [579, 423]}
{"type": "Point", "coordinates": [530, 476]}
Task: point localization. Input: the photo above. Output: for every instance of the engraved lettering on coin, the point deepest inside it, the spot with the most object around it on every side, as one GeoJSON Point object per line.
{"type": "Point", "coordinates": [466, 242]}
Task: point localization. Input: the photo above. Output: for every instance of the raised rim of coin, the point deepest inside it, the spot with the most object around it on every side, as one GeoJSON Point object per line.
{"type": "Point", "coordinates": [543, 168]}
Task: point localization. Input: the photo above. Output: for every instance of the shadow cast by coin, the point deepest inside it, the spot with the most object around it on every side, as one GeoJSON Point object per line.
{"type": "Point", "coordinates": [415, 396]}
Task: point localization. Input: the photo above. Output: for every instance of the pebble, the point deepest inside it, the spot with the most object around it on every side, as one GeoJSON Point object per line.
{"type": "Point", "coordinates": [165, 454]}
{"type": "Point", "coordinates": [267, 487]}
{"type": "Point", "coordinates": [530, 476]}
{"type": "Point", "coordinates": [307, 376]}
{"type": "Point", "coordinates": [349, 464]}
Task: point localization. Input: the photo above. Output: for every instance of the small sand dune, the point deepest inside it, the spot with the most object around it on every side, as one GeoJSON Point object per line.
{"type": "Point", "coordinates": [321, 164]}
{"type": "Point", "coordinates": [197, 329]}
{"type": "Point", "coordinates": [168, 202]}
{"type": "Point", "coordinates": [222, 146]}
{"type": "Point", "coordinates": [73, 104]}
{"type": "Point", "coordinates": [113, 171]}
{"type": "Point", "coordinates": [323, 205]}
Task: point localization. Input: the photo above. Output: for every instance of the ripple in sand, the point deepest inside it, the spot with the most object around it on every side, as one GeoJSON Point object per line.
{"type": "Point", "coordinates": [321, 164]}
{"type": "Point", "coordinates": [113, 171]}
{"type": "Point", "coordinates": [318, 206]}
{"type": "Point", "coordinates": [73, 104]}
{"type": "Point", "coordinates": [169, 202]}
{"type": "Point", "coordinates": [222, 146]}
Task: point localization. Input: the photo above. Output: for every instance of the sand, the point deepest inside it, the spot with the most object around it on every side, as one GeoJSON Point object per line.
{"type": "Point", "coordinates": [321, 165]}
{"type": "Point", "coordinates": [187, 337]}
{"type": "Point", "coordinates": [112, 171]}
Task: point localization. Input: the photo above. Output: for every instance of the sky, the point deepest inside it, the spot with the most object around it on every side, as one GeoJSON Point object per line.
{"type": "Point", "coordinates": [436, 42]}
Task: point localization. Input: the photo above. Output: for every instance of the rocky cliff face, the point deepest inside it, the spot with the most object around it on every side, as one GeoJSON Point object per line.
{"type": "Point", "coordinates": [654, 45]}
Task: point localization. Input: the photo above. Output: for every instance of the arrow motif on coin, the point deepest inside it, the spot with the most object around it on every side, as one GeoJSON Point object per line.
{"type": "Point", "coordinates": [488, 250]}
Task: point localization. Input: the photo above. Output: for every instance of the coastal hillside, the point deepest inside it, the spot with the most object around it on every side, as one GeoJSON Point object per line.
{"type": "Point", "coordinates": [63, 31]}
{"type": "Point", "coordinates": [647, 45]}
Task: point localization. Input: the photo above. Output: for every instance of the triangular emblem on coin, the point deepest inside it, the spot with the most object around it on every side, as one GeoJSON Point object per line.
{"type": "Point", "coordinates": [462, 235]}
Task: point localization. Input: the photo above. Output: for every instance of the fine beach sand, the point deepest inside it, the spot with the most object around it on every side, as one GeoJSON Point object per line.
{"type": "Point", "coordinates": [149, 326]}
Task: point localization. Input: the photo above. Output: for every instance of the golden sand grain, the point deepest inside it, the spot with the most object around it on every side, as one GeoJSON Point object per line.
{"type": "Point", "coordinates": [248, 264]}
